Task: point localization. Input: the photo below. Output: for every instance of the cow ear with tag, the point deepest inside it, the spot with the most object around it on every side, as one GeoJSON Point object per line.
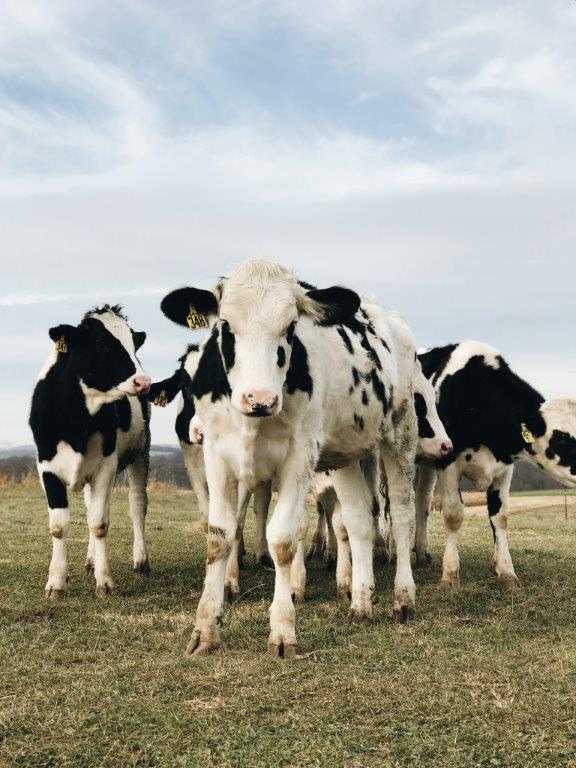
{"type": "Point", "coordinates": [65, 337]}
{"type": "Point", "coordinates": [191, 307]}
{"type": "Point", "coordinates": [163, 392]}
{"type": "Point", "coordinates": [330, 306]}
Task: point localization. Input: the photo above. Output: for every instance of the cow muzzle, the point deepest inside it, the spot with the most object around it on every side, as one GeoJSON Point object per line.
{"type": "Point", "coordinates": [136, 385]}
{"type": "Point", "coordinates": [259, 402]}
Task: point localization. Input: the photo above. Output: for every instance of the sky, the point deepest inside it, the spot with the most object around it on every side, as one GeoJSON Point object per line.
{"type": "Point", "coordinates": [422, 152]}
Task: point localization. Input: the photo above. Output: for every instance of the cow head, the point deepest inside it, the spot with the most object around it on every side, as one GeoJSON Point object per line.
{"type": "Point", "coordinates": [102, 353]}
{"type": "Point", "coordinates": [257, 310]}
{"type": "Point", "coordinates": [433, 441]}
{"type": "Point", "coordinates": [555, 451]}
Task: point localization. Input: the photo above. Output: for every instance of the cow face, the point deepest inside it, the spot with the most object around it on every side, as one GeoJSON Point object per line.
{"type": "Point", "coordinates": [102, 352]}
{"type": "Point", "coordinates": [257, 310]}
{"type": "Point", "coordinates": [433, 441]}
{"type": "Point", "coordinates": [556, 449]}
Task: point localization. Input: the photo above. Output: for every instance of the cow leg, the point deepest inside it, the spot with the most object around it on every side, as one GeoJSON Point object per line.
{"type": "Point", "coordinates": [399, 471]}
{"type": "Point", "coordinates": [331, 552]}
{"type": "Point", "coordinates": [138, 504]}
{"type": "Point", "coordinates": [453, 511]}
{"type": "Point", "coordinates": [298, 568]}
{"type": "Point", "coordinates": [59, 522]}
{"type": "Point", "coordinates": [318, 543]}
{"type": "Point", "coordinates": [99, 523]}
{"type": "Point", "coordinates": [497, 498]}
{"type": "Point", "coordinates": [193, 456]}
{"type": "Point", "coordinates": [344, 556]}
{"type": "Point", "coordinates": [232, 577]}
{"type": "Point", "coordinates": [262, 497]}
{"type": "Point", "coordinates": [89, 564]}
{"type": "Point", "coordinates": [355, 497]}
{"type": "Point", "coordinates": [425, 484]}
{"type": "Point", "coordinates": [222, 509]}
{"type": "Point", "coordinates": [282, 533]}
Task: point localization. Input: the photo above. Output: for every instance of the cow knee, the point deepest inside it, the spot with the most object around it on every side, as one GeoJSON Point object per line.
{"type": "Point", "coordinates": [282, 551]}
{"type": "Point", "coordinates": [219, 543]}
{"type": "Point", "coordinates": [453, 517]}
{"type": "Point", "coordinates": [100, 529]}
{"type": "Point", "coordinates": [59, 523]}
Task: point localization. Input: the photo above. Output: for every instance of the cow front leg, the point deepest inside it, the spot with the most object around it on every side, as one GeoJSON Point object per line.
{"type": "Point", "coordinates": [232, 577]}
{"type": "Point", "coordinates": [425, 484]}
{"type": "Point", "coordinates": [223, 505]}
{"type": "Point", "coordinates": [355, 497]}
{"type": "Point", "coordinates": [344, 557]}
{"type": "Point", "coordinates": [453, 512]}
{"type": "Point", "coordinates": [497, 498]}
{"type": "Point", "coordinates": [398, 466]}
{"type": "Point", "coordinates": [282, 533]}
{"type": "Point", "coordinates": [193, 456]}
{"type": "Point", "coordinates": [138, 505]}
{"type": "Point", "coordinates": [99, 522]}
{"type": "Point", "coordinates": [59, 523]}
{"type": "Point", "coordinates": [262, 497]}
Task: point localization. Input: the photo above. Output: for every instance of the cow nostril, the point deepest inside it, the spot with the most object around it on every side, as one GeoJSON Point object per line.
{"type": "Point", "coordinates": [446, 448]}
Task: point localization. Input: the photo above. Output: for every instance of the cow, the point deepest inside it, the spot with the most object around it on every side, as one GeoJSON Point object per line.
{"type": "Point", "coordinates": [90, 420]}
{"type": "Point", "coordinates": [330, 540]}
{"type": "Point", "coordinates": [494, 418]}
{"type": "Point", "coordinates": [190, 435]}
{"type": "Point", "coordinates": [292, 379]}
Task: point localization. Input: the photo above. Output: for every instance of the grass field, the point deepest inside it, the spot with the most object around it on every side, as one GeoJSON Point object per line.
{"type": "Point", "coordinates": [479, 679]}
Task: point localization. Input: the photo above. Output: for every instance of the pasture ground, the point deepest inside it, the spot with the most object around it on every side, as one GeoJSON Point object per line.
{"type": "Point", "coordinates": [479, 679]}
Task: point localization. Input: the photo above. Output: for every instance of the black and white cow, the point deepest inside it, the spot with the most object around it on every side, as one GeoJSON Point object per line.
{"type": "Point", "coordinates": [293, 379]}
{"type": "Point", "coordinates": [493, 417]}
{"type": "Point", "coordinates": [90, 420]}
{"type": "Point", "coordinates": [190, 436]}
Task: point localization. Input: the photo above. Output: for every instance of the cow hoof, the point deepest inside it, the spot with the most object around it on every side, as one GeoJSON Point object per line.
{"type": "Point", "coordinates": [199, 647]}
{"type": "Point", "coordinates": [343, 593]}
{"type": "Point", "coordinates": [298, 596]}
{"type": "Point", "coordinates": [241, 564]}
{"type": "Point", "coordinates": [89, 568]}
{"type": "Point", "coordinates": [282, 651]}
{"type": "Point", "coordinates": [404, 614]}
{"type": "Point", "coordinates": [315, 552]}
{"type": "Point", "coordinates": [54, 594]}
{"type": "Point", "coordinates": [231, 595]}
{"type": "Point", "coordinates": [104, 590]}
{"type": "Point", "coordinates": [509, 584]}
{"type": "Point", "coordinates": [265, 561]}
{"type": "Point", "coordinates": [359, 618]}
{"type": "Point", "coordinates": [374, 599]}
{"type": "Point", "coordinates": [142, 568]}
{"type": "Point", "coordinates": [330, 561]}
{"type": "Point", "coordinates": [423, 559]}
{"type": "Point", "coordinates": [450, 579]}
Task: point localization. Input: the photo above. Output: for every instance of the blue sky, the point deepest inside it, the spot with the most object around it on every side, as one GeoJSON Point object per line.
{"type": "Point", "coordinates": [419, 151]}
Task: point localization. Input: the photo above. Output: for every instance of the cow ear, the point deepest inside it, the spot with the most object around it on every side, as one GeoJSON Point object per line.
{"type": "Point", "coordinates": [190, 307]}
{"type": "Point", "coordinates": [139, 338]}
{"type": "Point", "coordinates": [65, 336]}
{"type": "Point", "coordinates": [330, 306]}
{"type": "Point", "coordinates": [163, 392]}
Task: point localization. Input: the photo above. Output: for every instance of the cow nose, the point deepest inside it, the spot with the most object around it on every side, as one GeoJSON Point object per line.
{"type": "Point", "coordinates": [141, 384]}
{"type": "Point", "coordinates": [259, 402]}
{"type": "Point", "coordinates": [446, 447]}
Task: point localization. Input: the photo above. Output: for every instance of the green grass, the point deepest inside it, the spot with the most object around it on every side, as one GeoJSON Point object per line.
{"type": "Point", "coordinates": [479, 679]}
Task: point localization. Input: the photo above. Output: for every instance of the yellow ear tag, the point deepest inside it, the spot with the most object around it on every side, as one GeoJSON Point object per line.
{"type": "Point", "coordinates": [161, 400]}
{"type": "Point", "coordinates": [527, 436]}
{"type": "Point", "coordinates": [61, 345]}
{"type": "Point", "coordinates": [195, 319]}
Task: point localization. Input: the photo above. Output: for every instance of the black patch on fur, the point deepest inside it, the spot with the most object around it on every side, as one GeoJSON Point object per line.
{"type": "Point", "coordinates": [358, 423]}
{"type": "Point", "coordinates": [210, 377]}
{"type": "Point", "coordinates": [298, 375]}
{"type": "Point", "coordinates": [365, 398]}
{"type": "Point", "coordinates": [379, 389]}
{"type": "Point", "coordinates": [563, 445]}
{"type": "Point", "coordinates": [290, 333]}
{"type": "Point", "coordinates": [55, 491]}
{"type": "Point", "coordinates": [123, 414]}
{"type": "Point", "coordinates": [281, 356]}
{"type": "Point", "coordinates": [468, 457]}
{"type": "Point", "coordinates": [493, 501]}
{"type": "Point", "coordinates": [424, 428]}
{"type": "Point", "coordinates": [481, 405]}
{"type": "Point", "coordinates": [228, 344]}
{"type": "Point", "coordinates": [355, 376]}
{"type": "Point", "coordinates": [345, 338]}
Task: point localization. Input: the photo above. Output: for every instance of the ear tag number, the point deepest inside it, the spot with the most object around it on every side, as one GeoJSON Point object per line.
{"type": "Point", "coordinates": [527, 436]}
{"type": "Point", "coordinates": [161, 400]}
{"type": "Point", "coordinates": [195, 319]}
{"type": "Point", "coordinates": [61, 345]}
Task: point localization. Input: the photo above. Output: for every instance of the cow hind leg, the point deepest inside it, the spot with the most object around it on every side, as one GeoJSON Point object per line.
{"type": "Point", "coordinates": [425, 484]}
{"type": "Point", "coordinates": [318, 544]}
{"type": "Point", "coordinates": [262, 497]}
{"type": "Point", "coordinates": [232, 577]}
{"type": "Point", "coordinates": [89, 563]}
{"type": "Point", "coordinates": [59, 522]}
{"type": "Point", "coordinates": [453, 511]}
{"type": "Point", "coordinates": [138, 505]}
{"type": "Point", "coordinates": [343, 557]}
{"type": "Point", "coordinates": [497, 501]}
{"type": "Point", "coordinates": [298, 567]}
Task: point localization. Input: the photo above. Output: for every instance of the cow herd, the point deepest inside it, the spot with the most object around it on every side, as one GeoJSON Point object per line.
{"type": "Point", "coordinates": [293, 389]}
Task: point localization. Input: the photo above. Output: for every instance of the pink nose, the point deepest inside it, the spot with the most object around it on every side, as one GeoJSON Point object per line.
{"type": "Point", "coordinates": [141, 384]}
{"type": "Point", "coordinates": [446, 447]}
{"type": "Point", "coordinates": [259, 402]}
